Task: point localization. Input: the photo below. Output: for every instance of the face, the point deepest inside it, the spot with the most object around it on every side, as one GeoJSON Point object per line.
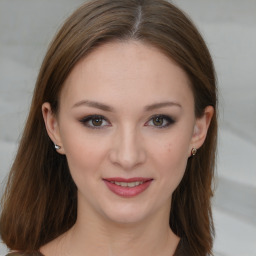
{"type": "Point", "coordinates": [127, 126]}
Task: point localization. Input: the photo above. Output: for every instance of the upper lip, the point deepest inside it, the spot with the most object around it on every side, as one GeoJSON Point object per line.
{"type": "Point", "coordinates": [134, 179]}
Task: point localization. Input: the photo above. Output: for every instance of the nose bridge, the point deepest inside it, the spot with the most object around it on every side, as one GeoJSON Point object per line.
{"type": "Point", "coordinates": [128, 150]}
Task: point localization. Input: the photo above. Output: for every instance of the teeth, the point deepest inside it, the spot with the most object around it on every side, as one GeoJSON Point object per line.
{"type": "Point", "coordinates": [128, 184]}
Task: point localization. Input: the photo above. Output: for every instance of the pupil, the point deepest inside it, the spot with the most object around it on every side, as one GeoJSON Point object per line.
{"type": "Point", "coordinates": [158, 121]}
{"type": "Point", "coordinates": [97, 121]}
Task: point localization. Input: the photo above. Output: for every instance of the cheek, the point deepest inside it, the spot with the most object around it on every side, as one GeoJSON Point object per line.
{"type": "Point", "coordinates": [171, 148]}
{"type": "Point", "coordinates": [170, 160]}
{"type": "Point", "coordinates": [83, 152]}
{"type": "Point", "coordinates": [174, 158]}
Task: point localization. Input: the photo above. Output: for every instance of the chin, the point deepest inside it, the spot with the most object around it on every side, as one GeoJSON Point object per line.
{"type": "Point", "coordinates": [128, 214]}
{"type": "Point", "coordinates": [125, 218]}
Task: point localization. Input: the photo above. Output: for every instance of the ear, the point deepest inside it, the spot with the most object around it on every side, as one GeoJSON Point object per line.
{"type": "Point", "coordinates": [201, 127]}
{"type": "Point", "coordinates": [52, 127]}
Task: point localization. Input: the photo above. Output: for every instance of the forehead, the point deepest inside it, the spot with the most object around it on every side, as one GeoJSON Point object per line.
{"type": "Point", "coordinates": [127, 70]}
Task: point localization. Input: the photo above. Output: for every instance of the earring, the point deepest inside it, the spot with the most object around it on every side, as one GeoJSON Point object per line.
{"type": "Point", "coordinates": [57, 147]}
{"type": "Point", "coordinates": [193, 151]}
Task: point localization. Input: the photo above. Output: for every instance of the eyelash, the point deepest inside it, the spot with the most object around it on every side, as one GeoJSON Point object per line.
{"type": "Point", "coordinates": [86, 121]}
{"type": "Point", "coordinates": [167, 119]}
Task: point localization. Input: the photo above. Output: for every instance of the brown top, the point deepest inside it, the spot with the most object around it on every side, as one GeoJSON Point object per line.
{"type": "Point", "coordinates": [182, 250]}
{"type": "Point", "coordinates": [24, 254]}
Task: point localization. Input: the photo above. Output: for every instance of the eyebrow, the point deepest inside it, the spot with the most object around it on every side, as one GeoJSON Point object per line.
{"type": "Point", "coordinates": [162, 104]}
{"type": "Point", "coordinates": [94, 104]}
{"type": "Point", "coordinates": [107, 108]}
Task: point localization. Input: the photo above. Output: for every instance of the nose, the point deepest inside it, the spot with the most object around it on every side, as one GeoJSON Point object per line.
{"type": "Point", "coordinates": [127, 149]}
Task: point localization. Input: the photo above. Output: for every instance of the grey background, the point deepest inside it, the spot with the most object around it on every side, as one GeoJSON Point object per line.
{"type": "Point", "coordinates": [229, 27]}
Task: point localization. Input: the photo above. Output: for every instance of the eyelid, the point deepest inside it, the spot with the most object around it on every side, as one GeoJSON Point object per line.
{"type": "Point", "coordinates": [170, 120]}
{"type": "Point", "coordinates": [87, 119]}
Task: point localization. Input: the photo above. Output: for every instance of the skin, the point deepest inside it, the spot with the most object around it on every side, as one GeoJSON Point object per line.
{"type": "Point", "coordinates": [127, 77]}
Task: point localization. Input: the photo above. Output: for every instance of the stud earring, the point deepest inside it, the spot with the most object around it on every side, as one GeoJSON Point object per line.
{"type": "Point", "coordinates": [193, 151]}
{"type": "Point", "coordinates": [57, 147]}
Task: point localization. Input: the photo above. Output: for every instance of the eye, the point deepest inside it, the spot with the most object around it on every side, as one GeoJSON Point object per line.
{"type": "Point", "coordinates": [95, 121]}
{"type": "Point", "coordinates": [160, 121]}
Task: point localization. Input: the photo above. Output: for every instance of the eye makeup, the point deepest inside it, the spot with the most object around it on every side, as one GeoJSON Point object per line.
{"type": "Point", "coordinates": [160, 121]}
{"type": "Point", "coordinates": [95, 121]}
{"type": "Point", "coordinates": [99, 121]}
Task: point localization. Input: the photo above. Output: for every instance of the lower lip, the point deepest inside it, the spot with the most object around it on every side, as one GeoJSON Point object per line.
{"type": "Point", "coordinates": [127, 191]}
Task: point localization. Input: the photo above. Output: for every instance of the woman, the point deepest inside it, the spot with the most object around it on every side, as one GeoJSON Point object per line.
{"type": "Point", "coordinates": [117, 156]}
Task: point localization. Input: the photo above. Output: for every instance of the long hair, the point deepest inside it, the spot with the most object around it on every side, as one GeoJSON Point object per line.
{"type": "Point", "coordinates": [40, 200]}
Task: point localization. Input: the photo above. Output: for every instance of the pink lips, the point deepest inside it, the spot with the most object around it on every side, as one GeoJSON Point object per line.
{"type": "Point", "coordinates": [128, 191]}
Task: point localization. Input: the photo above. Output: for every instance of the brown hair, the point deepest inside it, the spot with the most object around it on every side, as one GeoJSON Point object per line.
{"type": "Point", "coordinates": [40, 201]}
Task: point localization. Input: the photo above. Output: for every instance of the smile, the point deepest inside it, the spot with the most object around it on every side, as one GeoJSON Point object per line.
{"type": "Point", "coordinates": [127, 184]}
{"type": "Point", "coordinates": [128, 187]}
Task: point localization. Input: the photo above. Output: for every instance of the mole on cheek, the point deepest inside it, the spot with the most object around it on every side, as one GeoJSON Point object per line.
{"type": "Point", "coordinates": [169, 147]}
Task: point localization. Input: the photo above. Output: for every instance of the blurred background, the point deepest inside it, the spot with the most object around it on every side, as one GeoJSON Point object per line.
{"type": "Point", "coordinates": [229, 28]}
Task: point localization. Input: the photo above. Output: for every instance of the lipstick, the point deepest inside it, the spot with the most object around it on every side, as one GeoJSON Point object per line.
{"type": "Point", "coordinates": [127, 187]}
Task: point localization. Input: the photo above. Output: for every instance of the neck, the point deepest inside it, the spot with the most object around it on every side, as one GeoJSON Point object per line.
{"type": "Point", "coordinates": [100, 236]}
{"type": "Point", "coordinates": [107, 238]}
